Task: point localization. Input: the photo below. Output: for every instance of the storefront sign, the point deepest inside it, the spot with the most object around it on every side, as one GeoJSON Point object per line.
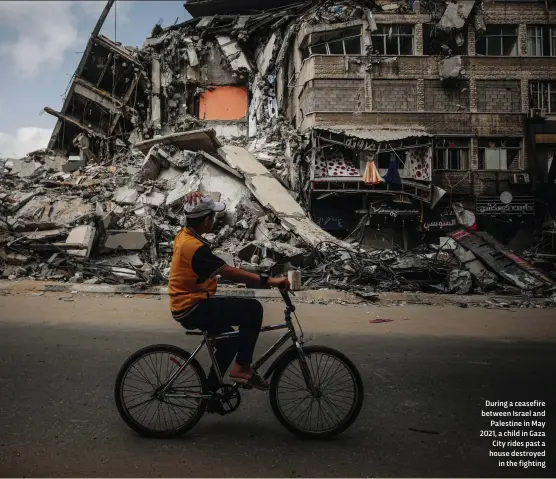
{"type": "Point", "coordinates": [393, 210]}
{"type": "Point", "coordinates": [331, 223]}
{"type": "Point", "coordinates": [494, 206]}
{"type": "Point", "coordinates": [439, 220]}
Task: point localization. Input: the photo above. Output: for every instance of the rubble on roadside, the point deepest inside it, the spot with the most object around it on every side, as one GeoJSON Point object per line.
{"type": "Point", "coordinates": [116, 224]}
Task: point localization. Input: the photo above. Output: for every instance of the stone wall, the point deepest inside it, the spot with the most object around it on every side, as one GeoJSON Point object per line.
{"type": "Point", "coordinates": [499, 96]}
{"type": "Point", "coordinates": [394, 95]}
{"type": "Point", "coordinates": [439, 97]}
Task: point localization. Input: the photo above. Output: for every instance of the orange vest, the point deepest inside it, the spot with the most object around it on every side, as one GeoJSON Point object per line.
{"type": "Point", "coordinates": [183, 288]}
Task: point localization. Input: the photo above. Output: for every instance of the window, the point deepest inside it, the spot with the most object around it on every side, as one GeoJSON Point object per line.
{"type": "Point", "coordinates": [451, 154]}
{"type": "Point", "coordinates": [500, 154]}
{"type": "Point", "coordinates": [383, 160]}
{"type": "Point", "coordinates": [498, 40]}
{"type": "Point", "coordinates": [542, 94]}
{"type": "Point", "coordinates": [337, 42]}
{"type": "Point", "coordinates": [440, 42]}
{"type": "Point", "coordinates": [393, 40]}
{"type": "Point", "coordinates": [541, 41]}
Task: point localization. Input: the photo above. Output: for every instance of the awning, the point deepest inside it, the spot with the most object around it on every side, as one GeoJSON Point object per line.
{"type": "Point", "coordinates": [378, 135]}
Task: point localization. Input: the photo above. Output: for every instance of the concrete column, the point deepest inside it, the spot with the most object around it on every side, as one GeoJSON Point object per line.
{"type": "Point", "coordinates": [418, 35]}
{"type": "Point", "coordinates": [522, 40]}
{"type": "Point", "coordinates": [471, 42]}
{"type": "Point", "coordinates": [420, 94]}
{"type": "Point", "coordinates": [156, 111]}
{"type": "Point", "coordinates": [472, 95]}
{"type": "Point", "coordinates": [524, 95]}
{"type": "Point", "coordinates": [474, 154]}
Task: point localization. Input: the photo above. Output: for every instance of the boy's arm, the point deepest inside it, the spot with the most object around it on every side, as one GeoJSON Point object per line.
{"type": "Point", "coordinates": [253, 280]}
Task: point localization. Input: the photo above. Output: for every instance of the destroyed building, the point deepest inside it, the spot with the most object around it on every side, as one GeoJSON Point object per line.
{"type": "Point", "coordinates": [389, 124]}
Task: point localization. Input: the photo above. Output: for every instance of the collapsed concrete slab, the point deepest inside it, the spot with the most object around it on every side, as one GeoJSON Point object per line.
{"type": "Point", "coordinates": [82, 239]}
{"type": "Point", "coordinates": [127, 240]}
{"type": "Point", "coordinates": [273, 196]}
{"type": "Point", "coordinates": [456, 14]}
{"type": "Point", "coordinates": [126, 196]}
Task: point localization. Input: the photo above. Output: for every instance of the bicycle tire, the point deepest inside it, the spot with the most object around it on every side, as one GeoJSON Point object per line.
{"type": "Point", "coordinates": [122, 409]}
{"type": "Point", "coordinates": [291, 356]}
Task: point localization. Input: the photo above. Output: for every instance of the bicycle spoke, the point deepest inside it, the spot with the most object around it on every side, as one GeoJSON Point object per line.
{"type": "Point", "coordinates": [335, 386]}
{"type": "Point", "coordinates": [163, 414]}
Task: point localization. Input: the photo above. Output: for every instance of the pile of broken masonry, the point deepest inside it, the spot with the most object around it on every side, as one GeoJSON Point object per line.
{"type": "Point", "coordinates": [65, 220]}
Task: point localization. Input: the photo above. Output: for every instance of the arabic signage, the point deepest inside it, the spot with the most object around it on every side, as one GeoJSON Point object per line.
{"type": "Point", "coordinates": [393, 210]}
{"type": "Point", "coordinates": [330, 218]}
{"type": "Point", "coordinates": [493, 205]}
{"type": "Point", "coordinates": [443, 219]}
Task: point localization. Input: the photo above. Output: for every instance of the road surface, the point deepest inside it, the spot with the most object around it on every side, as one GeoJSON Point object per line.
{"type": "Point", "coordinates": [427, 374]}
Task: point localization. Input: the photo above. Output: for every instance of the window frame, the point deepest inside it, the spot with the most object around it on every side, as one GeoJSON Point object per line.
{"type": "Point", "coordinates": [541, 94]}
{"type": "Point", "coordinates": [308, 51]}
{"type": "Point", "coordinates": [500, 145]}
{"type": "Point", "coordinates": [501, 37]}
{"type": "Point", "coordinates": [542, 33]}
{"type": "Point", "coordinates": [442, 144]}
{"type": "Point", "coordinates": [383, 36]}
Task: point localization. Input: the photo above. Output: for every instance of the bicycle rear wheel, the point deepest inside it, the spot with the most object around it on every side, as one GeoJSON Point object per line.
{"type": "Point", "coordinates": [336, 402]}
{"type": "Point", "coordinates": [138, 392]}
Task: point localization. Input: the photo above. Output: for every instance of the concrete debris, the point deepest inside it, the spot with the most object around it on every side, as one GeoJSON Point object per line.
{"type": "Point", "coordinates": [456, 14]}
{"type": "Point", "coordinates": [82, 239]}
{"type": "Point", "coordinates": [127, 240]}
{"type": "Point", "coordinates": [451, 68]}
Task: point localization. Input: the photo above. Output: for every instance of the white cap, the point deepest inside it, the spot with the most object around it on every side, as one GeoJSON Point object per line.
{"type": "Point", "coordinates": [200, 207]}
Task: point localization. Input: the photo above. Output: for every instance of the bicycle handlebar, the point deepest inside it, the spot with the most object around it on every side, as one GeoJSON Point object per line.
{"type": "Point", "coordinates": [287, 299]}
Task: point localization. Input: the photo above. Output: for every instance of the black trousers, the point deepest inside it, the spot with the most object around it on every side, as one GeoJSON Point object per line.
{"type": "Point", "coordinates": [219, 315]}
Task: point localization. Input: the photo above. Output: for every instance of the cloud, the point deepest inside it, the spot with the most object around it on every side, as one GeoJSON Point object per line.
{"type": "Point", "coordinates": [45, 31]}
{"type": "Point", "coordinates": [25, 140]}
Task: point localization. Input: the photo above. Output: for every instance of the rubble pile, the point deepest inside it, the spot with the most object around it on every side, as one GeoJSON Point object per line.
{"type": "Point", "coordinates": [116, 224]}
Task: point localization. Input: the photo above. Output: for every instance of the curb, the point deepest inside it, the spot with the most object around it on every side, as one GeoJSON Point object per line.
{"type": "Point", "coordinates": [39, 286]}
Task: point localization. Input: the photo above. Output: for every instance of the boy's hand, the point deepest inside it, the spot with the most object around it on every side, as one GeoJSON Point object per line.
{"type": "Point", "coordinates": [281, 283]}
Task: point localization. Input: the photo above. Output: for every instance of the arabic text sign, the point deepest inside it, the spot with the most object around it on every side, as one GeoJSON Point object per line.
{"type": "Point", "coordinates": [493, 206]}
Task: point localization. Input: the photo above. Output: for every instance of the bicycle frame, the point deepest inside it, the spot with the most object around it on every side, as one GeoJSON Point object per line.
{"type": "Point", "coordinates": [210, 339]}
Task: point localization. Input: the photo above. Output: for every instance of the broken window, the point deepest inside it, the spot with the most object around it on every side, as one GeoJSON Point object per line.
{"type": "Point", "coordinates": [393, 40]}
{"type": "Point", "coordinates": [542, 94]}
{"type": "Point", "coordinates": [498, 40]}
{"type": "Point", "coordinates": [500, 154]}
{"type": "Point", "coordinates": [441, 42]}
{"type": "Point", "coordinates": [541, 41]}
{"type": "Point", "coordinates": [451, 154]}
{"type": "Point", "coordinates": [337, 42]}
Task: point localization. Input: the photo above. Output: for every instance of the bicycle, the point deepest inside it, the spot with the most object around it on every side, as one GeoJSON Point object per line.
{"type": "Point", "coordinates": [180, 386]}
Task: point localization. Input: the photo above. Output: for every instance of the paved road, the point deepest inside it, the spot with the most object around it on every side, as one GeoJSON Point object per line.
{"type": "Point", "coordinates": [430, 370]}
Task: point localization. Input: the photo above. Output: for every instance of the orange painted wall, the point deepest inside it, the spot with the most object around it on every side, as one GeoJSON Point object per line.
{"type": "Point", "coordinates": [223, 103]}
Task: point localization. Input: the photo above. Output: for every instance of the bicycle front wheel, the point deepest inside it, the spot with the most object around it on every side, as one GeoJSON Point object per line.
{"type": "Point", "coordinates": [139, 395]}
{"type": "Point", "coordinates": [331, 407]}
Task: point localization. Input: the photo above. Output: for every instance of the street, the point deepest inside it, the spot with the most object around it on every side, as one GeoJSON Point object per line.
{"type": "Point", "coordinates": [427, 374]}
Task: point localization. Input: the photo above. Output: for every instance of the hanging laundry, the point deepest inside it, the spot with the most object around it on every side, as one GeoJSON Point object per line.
{"type": "Point", "coordinates": [393, 175]}
{"type": "Point", "coordinates": [372, 176]}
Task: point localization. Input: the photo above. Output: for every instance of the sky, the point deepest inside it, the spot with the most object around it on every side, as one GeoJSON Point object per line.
{"type": "Point", "coordinates": [41, 44]}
